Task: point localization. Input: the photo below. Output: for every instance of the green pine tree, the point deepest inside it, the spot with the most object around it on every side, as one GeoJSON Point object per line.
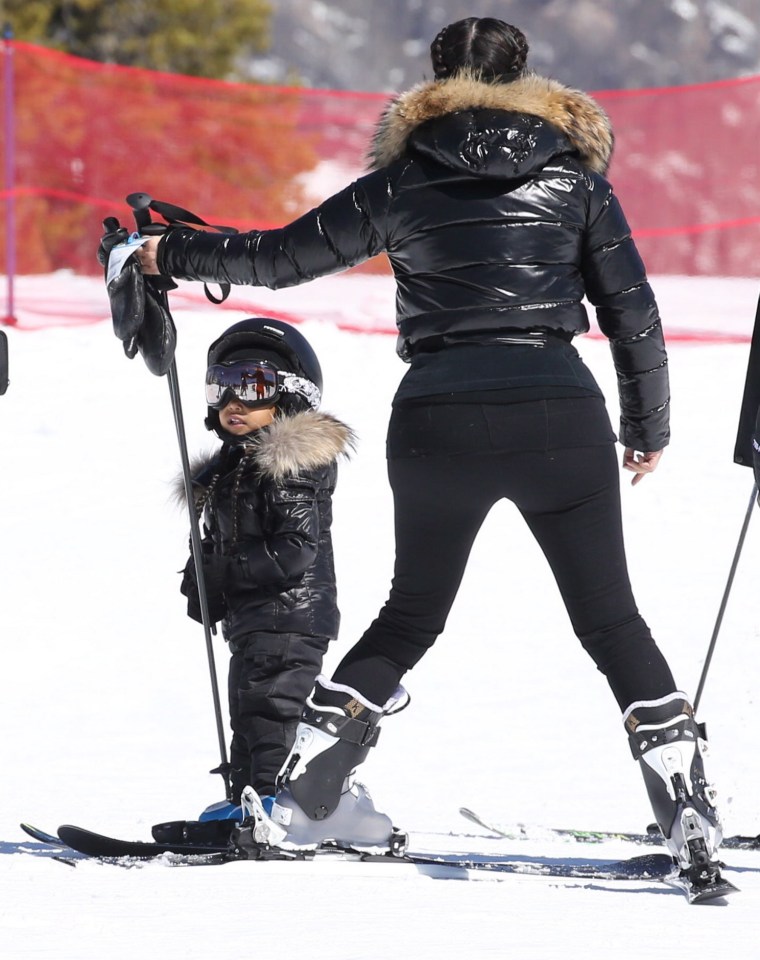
{"type": "Point", "coordinates": [202, 38]}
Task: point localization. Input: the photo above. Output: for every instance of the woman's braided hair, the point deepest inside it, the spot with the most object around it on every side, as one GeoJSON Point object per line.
{"type": "Point", "coordinates": [492, 49]}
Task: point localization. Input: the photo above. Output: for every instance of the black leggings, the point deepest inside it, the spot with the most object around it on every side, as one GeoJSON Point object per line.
{"type": "Point", "coordinates": [556, 461]}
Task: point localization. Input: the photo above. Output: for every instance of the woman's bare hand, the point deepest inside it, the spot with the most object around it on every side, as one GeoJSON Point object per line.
{"type": "Point", "coordinates": [640, 463]}
{"type": "Point", "coordinates": [146, 256]}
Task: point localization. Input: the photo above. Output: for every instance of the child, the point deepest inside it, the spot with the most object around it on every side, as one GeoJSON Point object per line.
{"type": "Point", "coordinates": [265, 497]}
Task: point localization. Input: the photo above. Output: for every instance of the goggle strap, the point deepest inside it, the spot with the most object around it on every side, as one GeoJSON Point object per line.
{"type": "Point", "coordinates": [292, 383]}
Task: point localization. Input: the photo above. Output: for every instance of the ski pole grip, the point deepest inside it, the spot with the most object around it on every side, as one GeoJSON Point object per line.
{"type": "Point", "coordinates": [111, 224]}
{"type": "Point", "coordinates": [140, 203]}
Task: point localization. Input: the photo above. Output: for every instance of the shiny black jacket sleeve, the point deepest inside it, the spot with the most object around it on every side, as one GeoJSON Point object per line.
{"type": "Point", "coordinates": [290, 539]}
{"type": "Point", "coordinates": [346, 229]}
{"type": "Point", "coordinates": [616, 284]}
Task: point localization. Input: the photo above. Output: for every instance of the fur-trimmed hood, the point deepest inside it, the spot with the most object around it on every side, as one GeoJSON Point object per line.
{"type": "Point", "coordinates": [304, 441]}
{"type": "Point", "coordinates": [460, 122]}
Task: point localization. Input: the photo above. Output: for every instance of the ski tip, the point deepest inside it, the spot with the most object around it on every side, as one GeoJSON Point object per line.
{"type": "Point", "coordinates": [42, 835]}
{"type": "Point", "coordinates": [715, 897]}
{"type": "Point", "coordinates": [715, 891]}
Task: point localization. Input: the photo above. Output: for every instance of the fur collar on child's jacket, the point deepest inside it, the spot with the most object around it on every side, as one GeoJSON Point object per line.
{"type": "Point", "coordinates": [303, 441]}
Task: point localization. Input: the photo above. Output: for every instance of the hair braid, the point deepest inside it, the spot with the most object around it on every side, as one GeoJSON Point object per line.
{"type": "Point", "coordinates": [440, 69]}
{"type": "Point", "coordinates": [205, 496]}
{"type": "Point", "coordinates": [521, 48]}
{"type": "Point", "coordinates": [493, 50]}
{"type": "Point", "coordinates": [248, 452]}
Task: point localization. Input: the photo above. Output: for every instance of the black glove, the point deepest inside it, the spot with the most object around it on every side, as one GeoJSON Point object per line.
{"type": "Point", "coordinates": [139, 309]}
{"type": "Point", "coordinates": [113, 235]}
{"type": "Point", "coordinates": [215, 570]}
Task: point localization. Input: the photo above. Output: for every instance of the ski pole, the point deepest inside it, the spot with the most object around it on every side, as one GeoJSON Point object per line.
{"type": "Point", "coordinates": [726, 592]}
{"type": "Point", "coordinates": [197, 551]}
{"type": "Point", "coordinates": [140, 203]}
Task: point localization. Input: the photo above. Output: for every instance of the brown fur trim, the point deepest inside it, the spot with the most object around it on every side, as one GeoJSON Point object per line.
{"type": "Point", "coordinates": [304, 441]}
{"type": "Point", "coordinates": [197, 465]}
{"type": "Point", "coordinates": [573, 112]}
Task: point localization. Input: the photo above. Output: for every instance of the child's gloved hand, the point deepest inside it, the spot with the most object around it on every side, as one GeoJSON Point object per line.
{"type": "Point", "coordinates": [215, 569]}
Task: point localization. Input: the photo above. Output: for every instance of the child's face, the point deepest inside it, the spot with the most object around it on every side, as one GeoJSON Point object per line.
{"type": "Point", "coordinates": [239, 420]}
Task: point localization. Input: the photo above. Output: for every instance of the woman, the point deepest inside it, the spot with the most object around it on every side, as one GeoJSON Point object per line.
{"type": "Point", "coordinates": [488, 195]}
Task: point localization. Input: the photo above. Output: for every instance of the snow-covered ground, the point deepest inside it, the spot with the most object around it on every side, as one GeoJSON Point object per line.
{"type": "Point", "coordinates": [107, 717]}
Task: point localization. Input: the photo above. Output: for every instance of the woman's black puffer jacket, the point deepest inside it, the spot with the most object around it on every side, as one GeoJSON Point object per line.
{"type": "Point", "coordinates": [268, 506]}
{"type": "Point", "coordinates": [491, 204]}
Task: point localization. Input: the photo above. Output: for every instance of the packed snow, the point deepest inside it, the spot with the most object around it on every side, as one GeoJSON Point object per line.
{"type": "Point", "coordinates": [107, 715]}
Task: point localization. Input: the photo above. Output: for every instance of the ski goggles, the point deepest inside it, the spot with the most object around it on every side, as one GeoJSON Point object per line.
{"type": "Point", "coordinates": [253, 382]}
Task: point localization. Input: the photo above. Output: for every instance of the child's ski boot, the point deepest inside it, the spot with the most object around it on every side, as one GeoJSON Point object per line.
{"type": "Point", "coordinates": [221, 810]}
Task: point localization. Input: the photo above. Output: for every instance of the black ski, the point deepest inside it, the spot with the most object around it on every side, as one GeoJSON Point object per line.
{"type": "Point", "coordinates": [104, 848]}
{"type": "Point", "coordinates": [653, 838]}
{"type": "Point", "coordinates": [655, 867]}
{"type": "Point", "coordinates": [652, 867]}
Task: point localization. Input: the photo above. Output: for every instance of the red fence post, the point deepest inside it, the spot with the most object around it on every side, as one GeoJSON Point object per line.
{"type": "Point", "coordinates": [9, 128]}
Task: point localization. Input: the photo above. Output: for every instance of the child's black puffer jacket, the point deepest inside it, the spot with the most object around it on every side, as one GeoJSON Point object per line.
{"type": "Point", "coordinates": [268, 507]}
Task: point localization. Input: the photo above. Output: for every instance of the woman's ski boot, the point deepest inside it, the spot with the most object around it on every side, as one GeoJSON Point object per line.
{"type": "Point", "coordinates": [317, 802]}
{"type": "Point", "coordinates": [669, 745]}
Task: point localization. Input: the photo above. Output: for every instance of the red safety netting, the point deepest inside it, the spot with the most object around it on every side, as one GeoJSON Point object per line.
{"type": "Point", "coordinates": [87, 134]}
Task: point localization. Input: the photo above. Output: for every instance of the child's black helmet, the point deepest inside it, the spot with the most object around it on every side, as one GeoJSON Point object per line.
{"type": "Point", "coordinates": [271, 336]}
{"type": "Point", "coordinates": [262, 338]}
